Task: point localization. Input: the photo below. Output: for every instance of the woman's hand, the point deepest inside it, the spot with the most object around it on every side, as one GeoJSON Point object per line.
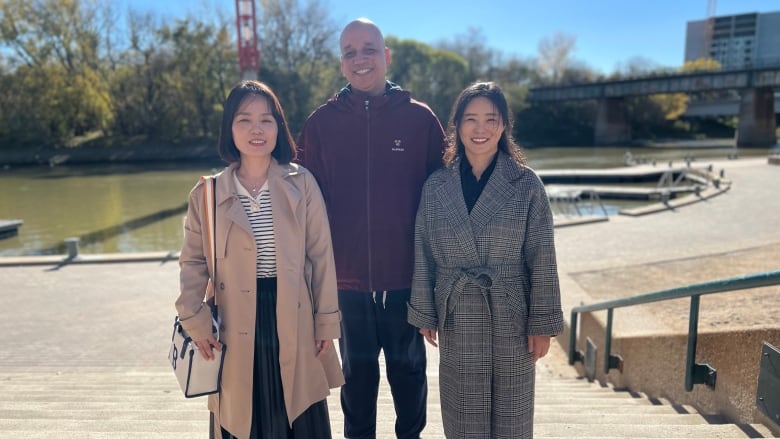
{"type": "Point", "coordinates": [322, 346]}
{"type": "Point", "coordinates": [430, 336]}
{"type": "Point", "coordinates": [539, 345]}
{"type": "Point", "coordinates": [206, 347]}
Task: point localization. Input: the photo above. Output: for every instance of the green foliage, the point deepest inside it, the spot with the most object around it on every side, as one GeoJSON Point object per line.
{"type": "Point", "coordinates": [434, 76]}
{"type": "Point", "coordinates": [556, 123]}
{"type": "Point", "coordinates": [655, 116]}
{"type": "Point", "coordinates": [298, 56]}
{"type": "Point", "coordinates": [70, 69]}
{"type": "Point", "coordinates": [57, 75]}
{"type": "Point", "coordinates": [201, 68]}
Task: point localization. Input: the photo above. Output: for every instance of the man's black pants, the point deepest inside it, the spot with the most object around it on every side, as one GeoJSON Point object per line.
{"type": "Point", "coordinates": [371, 322]}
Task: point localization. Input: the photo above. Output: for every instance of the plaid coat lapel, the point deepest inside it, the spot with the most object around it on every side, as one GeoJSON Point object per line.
{"type": "Point", "coordinates": [498, 190]}
{"type": "Point", "coordinates": [451, 196]}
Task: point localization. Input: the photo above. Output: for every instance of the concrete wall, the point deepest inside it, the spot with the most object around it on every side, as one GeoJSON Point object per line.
{"type": "Point", "coordinates": [612, 127]}
{"type": "Point", "coordinates": [757, 127]}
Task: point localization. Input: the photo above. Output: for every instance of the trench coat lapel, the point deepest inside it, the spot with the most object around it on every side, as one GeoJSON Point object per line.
{"type": "Point", "coordinates": [228, 207]}
{"type": "Point", "coordinates": [285, 197]}
{"type": "Point", "coordinates": [498, 191]}
{"type": "Point", "coordinates": [451, 196]}
{"type": "Point", "coordinates": [226, 195]}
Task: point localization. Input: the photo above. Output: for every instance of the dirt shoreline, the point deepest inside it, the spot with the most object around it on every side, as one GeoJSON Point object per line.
{"type": "Point", "coordinates": [131, 151]}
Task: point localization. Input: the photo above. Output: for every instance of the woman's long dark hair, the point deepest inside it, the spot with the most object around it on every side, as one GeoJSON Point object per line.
{"type": "Point", "coordinates": [284, 150]}
{"type": "Point", "coordinates": [492, 92]}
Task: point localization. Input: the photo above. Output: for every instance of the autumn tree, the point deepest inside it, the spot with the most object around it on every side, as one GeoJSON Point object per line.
{"type": "Point", "coordinates": [57, 70]}
{"type": "Point", "coordinates": [298, 55]}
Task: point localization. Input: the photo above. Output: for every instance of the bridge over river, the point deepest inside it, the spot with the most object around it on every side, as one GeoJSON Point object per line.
{"type": "Point", "coordinates": [756, 86]}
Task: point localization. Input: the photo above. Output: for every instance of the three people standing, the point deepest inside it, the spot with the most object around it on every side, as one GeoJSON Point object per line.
{"type": "Point", "coordinates": [466, 255]}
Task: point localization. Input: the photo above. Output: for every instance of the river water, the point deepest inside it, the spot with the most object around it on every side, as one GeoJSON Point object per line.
{"type": "Point", "coordinates": [139, 208]}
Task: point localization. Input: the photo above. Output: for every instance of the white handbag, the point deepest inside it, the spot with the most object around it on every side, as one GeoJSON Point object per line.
{"type": "Point", "coordinates": [196, 375]}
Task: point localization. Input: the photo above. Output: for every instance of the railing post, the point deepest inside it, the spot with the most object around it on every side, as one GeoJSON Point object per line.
{"type": "Point", "coordinates": [610, 361]}
{"type": "Point", "coordinates": [72, 246]}
{"type": "Point", "coordinates": [608, 340]}
{"type": "Point", "coordinates": [573, 338]}
{"type": "Point", "coordinates": [696, 373]}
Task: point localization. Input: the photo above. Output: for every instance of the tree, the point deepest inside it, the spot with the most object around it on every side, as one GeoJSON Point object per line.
{"type": "Point", "coordinates": [556, 123]}
{"type": "Point", "coordinates": [555, 56]}
{"type": "Point", "coordinates": [472, 46]}
{"type": "Point", "coordinates": [297, 55]}
{"type": "Point", "coordinates": [701, 65]}
{"type": "Point", "coordinates": [434, 76]}
{"type": "Point", "coordinates": [137, 89]}
{"type": "Point", "coordinates": [56, 44]}
{"type": "Point", "coordinates": [175, 80]}
{"type": "Point", "coordinates": [721, 126]}
{"type": "Point", "coordinates": [485, 64]}
{"type": "Point", "coordinates": [203, 68]}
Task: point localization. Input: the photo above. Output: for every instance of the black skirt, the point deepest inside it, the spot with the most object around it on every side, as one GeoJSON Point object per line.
{"type": "Point", "coordinates": [269, 417]}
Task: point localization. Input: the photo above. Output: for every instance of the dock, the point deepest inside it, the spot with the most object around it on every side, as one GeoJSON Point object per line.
{"type": "Point", "coordinates": [9, 228]}
{"type": "Point", "coordinates": [625, 175]}
{"type": "Point", "coordinates": [566, 192]}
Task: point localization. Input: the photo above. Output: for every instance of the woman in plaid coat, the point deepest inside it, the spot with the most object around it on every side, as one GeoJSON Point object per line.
{"type": "Point", "coordinates": [485, 277]}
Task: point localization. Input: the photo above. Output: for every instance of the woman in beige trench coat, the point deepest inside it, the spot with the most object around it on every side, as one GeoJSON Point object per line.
{"type": "Point", "coordinates": [275, 280]}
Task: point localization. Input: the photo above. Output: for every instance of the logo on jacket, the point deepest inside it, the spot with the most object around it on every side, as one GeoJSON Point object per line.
{"type": "Point", "coordinates": [398, 147]}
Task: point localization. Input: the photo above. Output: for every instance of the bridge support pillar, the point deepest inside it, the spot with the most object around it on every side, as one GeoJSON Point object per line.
{"type": "Point", "coordinates": [612, 126]}
{"type": "Point", "coordinates": [756, 128]}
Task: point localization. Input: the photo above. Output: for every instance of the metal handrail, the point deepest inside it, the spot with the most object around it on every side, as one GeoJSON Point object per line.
{"type": "Point", "coordinates": [694, 373]}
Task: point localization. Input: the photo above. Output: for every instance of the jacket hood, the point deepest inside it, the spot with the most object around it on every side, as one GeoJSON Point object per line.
{"type": "Point", "coordinates": [347, 98]}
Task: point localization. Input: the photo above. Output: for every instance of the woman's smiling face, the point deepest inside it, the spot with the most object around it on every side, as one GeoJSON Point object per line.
{"type": "Point", "coordinates": [254, 127]}
{"type": "Point", "coordinates": [480, 128]}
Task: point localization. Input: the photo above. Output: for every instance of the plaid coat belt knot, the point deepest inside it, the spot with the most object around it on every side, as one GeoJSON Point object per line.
{"type": "Point", "coordinates": [451, 282]}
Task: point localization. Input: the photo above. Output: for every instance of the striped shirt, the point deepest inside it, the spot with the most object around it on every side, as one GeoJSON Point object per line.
{"type": "Point", "coordinates": [258, 210]}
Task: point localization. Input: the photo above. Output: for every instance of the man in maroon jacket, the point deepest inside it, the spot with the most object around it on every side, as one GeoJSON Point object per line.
{"type": "Point", "coordinates": [371, 148]}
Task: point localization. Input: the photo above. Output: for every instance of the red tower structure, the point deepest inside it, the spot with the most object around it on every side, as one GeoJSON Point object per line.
{"type": "Point", "coordinates": [246, 26]}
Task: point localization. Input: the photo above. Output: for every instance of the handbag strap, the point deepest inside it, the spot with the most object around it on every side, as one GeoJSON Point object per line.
{"type": "Point", "coordinates": [210, 205]}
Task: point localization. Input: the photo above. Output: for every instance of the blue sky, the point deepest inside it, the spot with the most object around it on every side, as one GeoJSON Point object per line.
{"type": "Point", "coordinates": [608, 32]}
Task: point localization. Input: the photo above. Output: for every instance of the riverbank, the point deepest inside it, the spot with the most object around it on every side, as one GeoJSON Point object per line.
{"type": "Point", "coordinates": [141, 150]}
{"type": "Point", "coordinates": [112, 150]}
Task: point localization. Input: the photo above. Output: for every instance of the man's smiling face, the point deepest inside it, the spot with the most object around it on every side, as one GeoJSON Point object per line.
{"type": "Point", "coordinates": [364, 58]}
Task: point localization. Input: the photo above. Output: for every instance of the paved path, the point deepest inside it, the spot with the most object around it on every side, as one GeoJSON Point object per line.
{"type": "Point", "coordinates": [732, 234]}
{"type": "Point", "coordinates": [112, 315]}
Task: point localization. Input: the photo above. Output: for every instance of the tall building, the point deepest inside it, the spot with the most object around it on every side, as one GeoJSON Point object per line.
{"type": "Point", "coordinates": [736, 41]}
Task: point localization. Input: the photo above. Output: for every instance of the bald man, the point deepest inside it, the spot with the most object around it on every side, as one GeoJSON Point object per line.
{"type": "Point", "coordinates": [371, 148]}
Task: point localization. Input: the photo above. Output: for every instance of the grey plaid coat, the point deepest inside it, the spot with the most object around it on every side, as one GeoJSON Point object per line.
{"type": "Point", "coordinates": [486, 281]}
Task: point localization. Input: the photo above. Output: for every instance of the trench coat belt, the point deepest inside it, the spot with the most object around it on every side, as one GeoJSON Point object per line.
{"type": "Point", "coordinates": [483, 277]}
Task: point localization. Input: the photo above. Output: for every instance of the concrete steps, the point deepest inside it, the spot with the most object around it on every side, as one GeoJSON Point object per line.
{"type": "Point", "coordinates": [574, 408]}
{"type": "Point", "coordinates": [132, 403]}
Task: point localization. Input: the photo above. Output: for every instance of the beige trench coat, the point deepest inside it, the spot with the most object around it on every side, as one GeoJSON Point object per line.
{"type": "Point", "coordinates": [307, 302]}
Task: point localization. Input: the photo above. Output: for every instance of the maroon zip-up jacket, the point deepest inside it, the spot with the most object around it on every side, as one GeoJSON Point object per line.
{"type": "Point", "coordinates": [371, 156]}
